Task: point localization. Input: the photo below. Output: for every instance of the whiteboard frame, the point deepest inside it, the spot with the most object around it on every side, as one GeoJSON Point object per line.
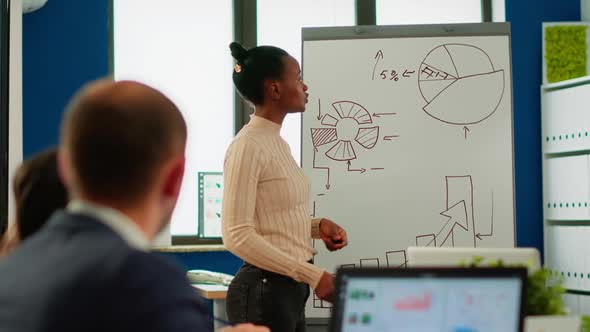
{"type": "Point", "coordinates": [406, 31]}
{"type": "Point", "coordinates": [416, 31]}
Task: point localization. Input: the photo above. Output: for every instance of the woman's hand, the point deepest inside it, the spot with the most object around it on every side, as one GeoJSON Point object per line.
{"type": "Point", "coordinates": [333, 235]}
{"type": "Point", "coordinates": [325, 288]}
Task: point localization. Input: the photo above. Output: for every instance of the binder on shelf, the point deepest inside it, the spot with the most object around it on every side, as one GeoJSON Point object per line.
{"type": "Point", "coordinates": [567, 255]}
{"type": "Point", "coordinates": [566, 120]}
{"type": "Point", "coordinates": [566, 188]}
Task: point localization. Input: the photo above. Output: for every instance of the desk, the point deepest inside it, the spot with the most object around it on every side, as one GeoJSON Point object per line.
{"type": "Point", "coordinates": [217, 293]}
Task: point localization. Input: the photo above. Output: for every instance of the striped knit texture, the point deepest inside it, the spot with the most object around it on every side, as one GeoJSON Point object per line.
{"type": "Point", "coordinates": [265, 213]}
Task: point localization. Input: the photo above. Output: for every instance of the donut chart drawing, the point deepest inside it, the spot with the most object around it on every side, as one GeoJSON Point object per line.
{"type": "Point", "coordinates": [347, 128]}
{"type": "Point", "coordinates": [460, 84]}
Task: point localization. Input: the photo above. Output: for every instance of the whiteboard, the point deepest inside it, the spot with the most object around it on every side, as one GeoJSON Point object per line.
{"type": "Point", "coordinates": [408, 140]}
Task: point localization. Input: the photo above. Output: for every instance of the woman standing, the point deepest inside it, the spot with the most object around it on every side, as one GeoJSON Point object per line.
{"type": "Point", "coordinates": [265, 212]}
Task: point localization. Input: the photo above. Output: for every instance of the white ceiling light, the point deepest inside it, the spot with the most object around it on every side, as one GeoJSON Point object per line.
{"type": "Point", "coordinates": [32, 5]}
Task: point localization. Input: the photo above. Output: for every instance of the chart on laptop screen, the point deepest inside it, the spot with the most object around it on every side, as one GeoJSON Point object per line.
{"type": "Point", "coordinates": [455, 305]}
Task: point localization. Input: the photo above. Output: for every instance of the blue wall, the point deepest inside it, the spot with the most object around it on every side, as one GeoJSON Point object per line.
{"type": "Point", "coordinates": [66, 44]}
{"type": "Point", "coordinates": [526, 18]}
{"type": "Point", "coordinates": [220, 261]}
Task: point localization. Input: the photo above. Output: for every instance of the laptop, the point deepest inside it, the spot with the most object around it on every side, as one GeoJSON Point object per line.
{"type": "Point", "coordinates": [429, 299]}
{"type": "Point", "coordinates": [433, 256]}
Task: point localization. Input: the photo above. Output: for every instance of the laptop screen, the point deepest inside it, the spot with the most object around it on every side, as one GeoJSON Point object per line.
{"type": "Point", "coordinates": [457, 300]}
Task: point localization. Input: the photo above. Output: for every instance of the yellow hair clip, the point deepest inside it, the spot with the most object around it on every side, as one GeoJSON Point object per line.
{"type": "Point", "coordinates": [237, 68]}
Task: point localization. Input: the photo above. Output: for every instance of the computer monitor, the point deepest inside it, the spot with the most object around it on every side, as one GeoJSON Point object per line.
{"type": "Point", "coordinates": [429, 299]}
{"type": "Point", "coordinates": [436, 256]}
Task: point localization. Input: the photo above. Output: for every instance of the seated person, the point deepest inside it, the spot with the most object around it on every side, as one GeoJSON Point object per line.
{"type": "Point", "coordinates": [38, 193]}
{"type": "Point", "coordinates": [121, 157]}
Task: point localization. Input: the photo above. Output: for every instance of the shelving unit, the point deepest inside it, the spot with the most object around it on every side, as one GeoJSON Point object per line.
{"type": "Point", "coordinates": [565, 108]}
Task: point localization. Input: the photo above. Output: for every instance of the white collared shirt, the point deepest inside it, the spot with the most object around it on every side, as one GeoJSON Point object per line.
{"type": "Point", "coordinates": [115, 220]}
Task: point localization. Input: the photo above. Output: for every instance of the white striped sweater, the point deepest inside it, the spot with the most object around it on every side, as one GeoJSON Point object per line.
{"type": "Point", "coordinates": [265, 212]}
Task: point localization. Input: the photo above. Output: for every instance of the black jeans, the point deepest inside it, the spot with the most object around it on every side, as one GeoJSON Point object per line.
{"type": "Point", "coordinates": [265, 298]}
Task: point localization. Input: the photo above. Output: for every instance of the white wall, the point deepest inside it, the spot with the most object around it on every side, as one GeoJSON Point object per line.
{"type": "Point", "coordinates": [585, 10]}
{"type": "Point", "coordinates": [15, 109]}
{"type": "Point", "coordinates": [499, 11]}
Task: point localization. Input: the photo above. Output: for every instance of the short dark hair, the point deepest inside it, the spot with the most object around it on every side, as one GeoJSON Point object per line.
{"type": "Point", "coordinates": [38, 192]}
{"type": "Point", "coordinates": [253, 67]}
{"type": "Point", "coordinates": [117, 135]}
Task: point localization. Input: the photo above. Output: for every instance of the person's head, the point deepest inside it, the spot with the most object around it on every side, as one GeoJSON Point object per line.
{"type": "Point", "coordinates": [266, 75]}
{"type": "Point", "coordinates": [38, 192]}
{"type": "Point", "coordinates": [122, 145]}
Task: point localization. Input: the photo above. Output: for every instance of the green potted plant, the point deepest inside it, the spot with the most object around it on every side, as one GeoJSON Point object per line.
{"type": "Point", "coordinates": [545, 305]}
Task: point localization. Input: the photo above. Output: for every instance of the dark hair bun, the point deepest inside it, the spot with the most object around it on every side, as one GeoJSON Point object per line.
{"type": "Point", "coordinates": [238, 51]}
{"type": "Point", "coordinates": [254, 66]}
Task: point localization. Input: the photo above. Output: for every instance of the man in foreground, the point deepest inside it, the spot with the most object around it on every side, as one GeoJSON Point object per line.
{"type": "Point", "coordinates": [121, 157]}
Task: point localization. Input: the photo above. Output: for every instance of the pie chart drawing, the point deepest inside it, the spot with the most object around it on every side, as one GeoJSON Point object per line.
{"type": "Point", "coordinates": [460, 84]}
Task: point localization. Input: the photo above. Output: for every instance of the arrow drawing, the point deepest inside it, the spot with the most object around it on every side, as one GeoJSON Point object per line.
{"type": "Point", "coordinates": [389, 138]}
{"type": "Point", "coordinates": [319, 109]}
{"type": "Point", "coordinates": [362, 170]}
{"type": "Point", "coordinates": [479, 235]}
{"type": "Point", "coordinates": [321, 167]}
{"type": "Point", "coordinates": [460, 188]}
{"type": "Point", "coordinates": [378, 56]}
{"type": "Point", "coordinates": [466, 130]}
{"type": "Point", "coordinates": [407, 73]}
{"type": "Point", "coordinates": [457, 216]}
{"type": "Point", "coordinates": [460, 215]}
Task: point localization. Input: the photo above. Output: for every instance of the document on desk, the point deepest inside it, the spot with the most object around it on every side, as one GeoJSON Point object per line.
{"type": "Point", "coordinates": [211, 287]}
{"type": "Point", "coordinates": [211, 292]}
